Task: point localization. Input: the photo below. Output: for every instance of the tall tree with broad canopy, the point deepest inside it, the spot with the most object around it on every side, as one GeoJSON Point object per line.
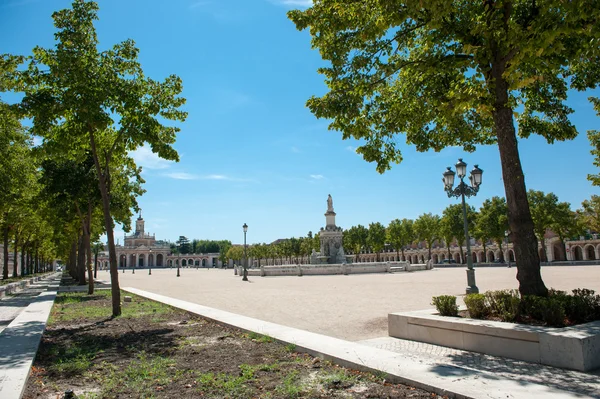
{"type": "Point", "coordinates": [356, 239]}
{"type": "Point", "coordinates": [590, 213]}
{"type": "Point", "coordinates": [100, 101]}
{"type": "Point", "coordinates": [491, 222]}
{"type": "Point", "coordinates": [452, 225]}
{"type": "Point", "coordinates": [427, 228]}
{"type": "Point", "coordinates": [400, 234]}
{"type": "Point", "coordinates": [456, 73]}
{"type": "Point", "coordinates": [594, 138]}
{"type": "Point", "coordinates": [376, 238]}
{"type": "Point", "coordinates": [543, 208]}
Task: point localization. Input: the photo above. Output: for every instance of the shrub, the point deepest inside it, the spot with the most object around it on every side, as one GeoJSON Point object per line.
{"type": "Point", "coordinates": [532, 306]}
{"type": "Point", "coordinates": [583, 306]}
{"type": "Point", "coordinates": [446, 305]}
{"type": "Point", "coordinates": [476, 305]}
{"type": "Point", "coordinates": [504, 304]}
{"type": "Point", "coordinates": [553, 312]}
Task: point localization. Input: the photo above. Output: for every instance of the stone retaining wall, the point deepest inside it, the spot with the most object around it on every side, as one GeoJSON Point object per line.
{"type": "Point", "coordinates": [327, 269]}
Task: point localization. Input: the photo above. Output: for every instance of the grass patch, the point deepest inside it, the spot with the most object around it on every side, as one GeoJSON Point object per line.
{"type": "Point", "coordinates": [225, 385]}
{"type": "Point", "coordinates": [290, 386]}
{"type": "Point", "coordinates": [339, 379]}
{"type": "Point", "coordinates": [17, 279]}
{"type": "Point", "coordinates": [263, 339]}
{"type": "Point", "coordinates": [70, 306]}
{"type": "Point", "coordinates": [74, 360]}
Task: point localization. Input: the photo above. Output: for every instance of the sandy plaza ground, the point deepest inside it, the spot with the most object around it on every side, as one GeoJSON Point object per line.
{"type": "Point", "coordinates": [353, 307]}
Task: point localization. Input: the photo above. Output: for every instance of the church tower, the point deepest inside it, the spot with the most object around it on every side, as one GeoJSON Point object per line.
{"type": "Point", "coordinates": [139, 226]}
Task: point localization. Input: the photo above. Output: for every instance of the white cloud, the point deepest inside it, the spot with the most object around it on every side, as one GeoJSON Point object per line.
{"type": "Point", "coordinates": [181, 176]}
{"type": "Point", "coordinates": [145, 158]}
{"type": "Point", "coordinates": [317, 177]}
{"type": "Point", "coordinates": [293, 3]}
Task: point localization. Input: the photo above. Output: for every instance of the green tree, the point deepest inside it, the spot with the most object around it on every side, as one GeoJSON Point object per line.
{"type": "Point", "coordinates": [452, 225]}
{"type": "Point", "coordinates": [183, 245]}
{"type": "Point", "coordinates": [427, 228]}
{"type": "Point", "coordinates": [400, 234]}
{"type": "Point", "coordinates": [590, 213]}
{"type": "Point", "coordinates": [83, 99]}
{"type": "Point", "coordinates": [456, 73]}
{"type": "Point", "coordinates": [565, 223]}
{"type": "Point", "coordinates": [376, 238]}
{"type": "Point", "coordinates": [235, 253]}
{"type": "Point", "coordinates": [594, 138]}
{"type": "Point", "coordinates": [356, 237]}
{"type": "Point", "coordinates": [491, 222]}
{"type": "Point", "coordinates": [543, 208]}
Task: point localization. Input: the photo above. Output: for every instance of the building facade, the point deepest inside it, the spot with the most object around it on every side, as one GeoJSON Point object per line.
{"type": "Point", "coordinates": [142, 250]}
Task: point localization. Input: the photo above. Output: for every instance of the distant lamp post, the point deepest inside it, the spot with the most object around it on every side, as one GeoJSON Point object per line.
{"type": "Point", "coordinates": [245, 278]}
{"type": "Point", "coordinates": [461, 191]}
{"type": "Point", "coordinates": [178, 262]}
{"type": "Point", "coordinates": [133, 268]}
{"type": "Point", "coordinates": [150, 264]}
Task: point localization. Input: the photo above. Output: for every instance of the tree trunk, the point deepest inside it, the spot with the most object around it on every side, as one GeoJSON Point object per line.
{"type": "Point", "coordinates": [95, 265]}
{"type": "Point", "coordinates": [462, 254]}
{"type": "Point", "coordinates": [24, 262]}
{"type": "Point", "coordinates": [519, 216]}
{"type": "Point", "coordinates": [87, 224]}
{"type": "Point", "coordinates": [27, 265]}
{"type": "Point", "coordinates": [37, 259]}
{"type": "Point", "coordinates": [5, 249]}
{"type": "Point", "coordinates": [108, 225]}
{"type": "Point", "coordinates": [484, 251]}
{"type": "Point", "coordinates": [15, 254]}
{"type": "Point", "coordinates": [81, 259]}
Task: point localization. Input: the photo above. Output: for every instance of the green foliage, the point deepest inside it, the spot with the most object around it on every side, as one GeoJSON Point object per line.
{"type": "Point", "coordinates": [503, 304]}
{"type": "Point", "coordinates": [590, 213]}
{"type": "Point", "coordinates": [400, 233]}
{"type": "Point", "coordinates": [477, 306]}
{"type": "Point", "coordinates": [427, 228]}
{"type": "Point", "coordinates": [553, 312]}
{"type": "Point", "coordinates": [356, 237]}
{"type": "Point", "coordinates": [376, 237]}
{"type": "Point", "coordinates": [290, 387]}
{"type": "Point", "coordinates": [594, 138]}
{"type": "Point", "coordinates": [340, 379]}
{"type": "Point", "coordinates": [263, 339]}
{"type": "Point", "coordinates": [446, 305]}
{"type": "Point", "coordinates": [492, 220]}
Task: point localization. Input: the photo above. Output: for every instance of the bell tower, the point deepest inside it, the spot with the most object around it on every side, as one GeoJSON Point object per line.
{"type": "Point", "coordinates": [139, 226]}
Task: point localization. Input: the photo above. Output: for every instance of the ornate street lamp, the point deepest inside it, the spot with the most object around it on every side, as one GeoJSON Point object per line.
{"type": "Point", "coordinates": [133, 268]}
{"type": "Point", "coordinates": [245, 278]}
{"type": "Point", "coordinates": [149, 264]}
{"type": "Point", "coordinates": [461, 191]}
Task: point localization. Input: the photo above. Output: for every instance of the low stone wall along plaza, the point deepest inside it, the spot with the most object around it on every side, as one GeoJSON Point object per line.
{"type": "Point", "coordinates": [329, 269]}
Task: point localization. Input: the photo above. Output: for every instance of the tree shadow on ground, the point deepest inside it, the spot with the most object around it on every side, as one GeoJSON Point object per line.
{"type": "Point", "coordinates": [524, 373]}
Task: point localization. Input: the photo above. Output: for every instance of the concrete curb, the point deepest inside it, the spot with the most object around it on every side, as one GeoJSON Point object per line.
{"type": "Point", "coordinates": [456, 382]}
{"type": "Point", "coordinates": [17, 286]}
{"type": "Point", "coordinates": [19, 344]}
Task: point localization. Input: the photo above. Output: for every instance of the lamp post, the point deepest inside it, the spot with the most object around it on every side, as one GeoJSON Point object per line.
{"type": "Point", "coordinates": [461, 191]}
{"type": "Point", "coordinates": [149, 264]}
{"type": "Point", "coordinates": [133, 268]}
{"type": "Point", "coordinates": [245, 278]}
{"type": "Point", "coordinates": [178, 262]}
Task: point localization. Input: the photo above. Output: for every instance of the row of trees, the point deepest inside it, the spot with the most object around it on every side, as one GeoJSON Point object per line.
{"type": "Point", "coordinates": [184, 246]}
{"type": "Point", "coordinates": [91, 108]}
{"type": "Point", "coordinates": [488, 225]}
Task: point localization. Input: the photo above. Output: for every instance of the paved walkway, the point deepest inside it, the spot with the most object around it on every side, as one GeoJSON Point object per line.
{"type": "Point", "coordinates": [460, 374]}
{"type": "Point", "coordinates": [23, 318]}
{"type": "Point", "coordinates": [353, 307]}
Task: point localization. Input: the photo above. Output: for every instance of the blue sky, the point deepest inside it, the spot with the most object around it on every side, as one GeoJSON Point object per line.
{"type": "Point", "coordinates": [251, 152]}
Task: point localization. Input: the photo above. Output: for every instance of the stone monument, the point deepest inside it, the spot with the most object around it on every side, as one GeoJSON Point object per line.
{"type": "Point", "coordinates": [332, 250]}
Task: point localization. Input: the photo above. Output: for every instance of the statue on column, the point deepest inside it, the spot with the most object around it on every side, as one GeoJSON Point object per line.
{"type": "Point", "coordinates": [329, 204]}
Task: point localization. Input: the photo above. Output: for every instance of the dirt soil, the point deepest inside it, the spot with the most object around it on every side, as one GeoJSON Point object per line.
{"type": "Point", "coordinates": [174, 354]}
